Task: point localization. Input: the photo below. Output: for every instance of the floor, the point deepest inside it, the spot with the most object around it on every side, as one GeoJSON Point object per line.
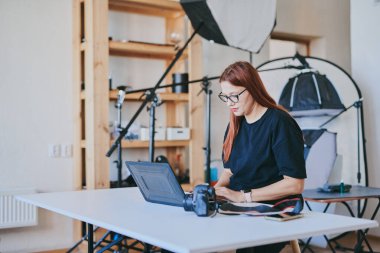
{"type": "Point", "coordinates": [347, 241]}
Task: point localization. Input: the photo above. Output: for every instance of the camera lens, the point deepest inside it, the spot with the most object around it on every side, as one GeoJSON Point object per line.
{"type": "Point", "coordinates": [188, 202]}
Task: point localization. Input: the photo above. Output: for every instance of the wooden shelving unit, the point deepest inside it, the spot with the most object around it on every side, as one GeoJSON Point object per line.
{"type": "Point", "coordinates": [92, 49]}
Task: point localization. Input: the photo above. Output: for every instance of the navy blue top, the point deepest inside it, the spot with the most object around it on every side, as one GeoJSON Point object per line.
{"type": "Point", "coordinates": [266, 150]}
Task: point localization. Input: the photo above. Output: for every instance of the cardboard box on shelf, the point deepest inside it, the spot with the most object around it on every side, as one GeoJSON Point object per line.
{"type": "Point", "coordinates": [178, 133]}
{"type": "Point", "coordinates": [160, 134]}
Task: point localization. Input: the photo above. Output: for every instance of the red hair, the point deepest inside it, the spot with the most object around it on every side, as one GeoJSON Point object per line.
{"type": "Point", "coordinates": [243, 74]}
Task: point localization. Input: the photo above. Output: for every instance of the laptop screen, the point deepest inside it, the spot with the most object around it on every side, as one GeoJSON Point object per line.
{"type": "Point", "coordinates": [157, 182]}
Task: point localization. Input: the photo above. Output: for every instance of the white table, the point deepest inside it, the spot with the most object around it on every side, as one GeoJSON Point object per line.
{"type": "Point", "coordinates": [124, 211]}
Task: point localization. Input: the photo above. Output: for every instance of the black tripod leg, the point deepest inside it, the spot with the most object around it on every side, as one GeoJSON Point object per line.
{"type": "Point", "coordinates": [111, 244]}
{"type": "Point", "coordinates": [329, 243]}
{"type": "Point", "coordinates": [77, 244]}
{"type": "Point", "coordinates": [147, 247]}
{"type": "Point", "coordinates": [80, 241]}
{"type": "Point", "coordinates": [101, 239]}
{"type": "Point", "coordinates": [358, 247]}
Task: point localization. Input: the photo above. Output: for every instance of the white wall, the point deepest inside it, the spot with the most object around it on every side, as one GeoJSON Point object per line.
{"type": "Point", "coordinates": [327, 21]}
{"type": "Point", "coordinates": [365, 52]}
{"type": "Point", "coordinates": [36, 110]}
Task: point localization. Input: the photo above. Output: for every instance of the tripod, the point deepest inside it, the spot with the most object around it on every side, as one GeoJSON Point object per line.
{"type": "Point", "coordinates": [152, 125]}
{"type": "Point", "coordinates": [205, 84]}
{"type": "Point", "coordinates": [207, 148]}
{"type": "Point", "coordinates": [119, 161]}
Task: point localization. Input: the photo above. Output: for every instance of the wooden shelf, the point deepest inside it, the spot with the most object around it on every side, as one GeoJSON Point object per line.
{"type": "Point", "coordinates": [164, 96]}
{"type": "Point", "coordinates": [157, 144]}
{"type": "Point", "coordinates": [143, 50]}
{"type": "Point", "coordinates": [162, 8]}
{"type": "Point", "coordinates": [145, 144]}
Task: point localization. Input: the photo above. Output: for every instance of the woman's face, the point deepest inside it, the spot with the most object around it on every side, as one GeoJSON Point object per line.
{"type": "Point", "coordinates": [244, 104]}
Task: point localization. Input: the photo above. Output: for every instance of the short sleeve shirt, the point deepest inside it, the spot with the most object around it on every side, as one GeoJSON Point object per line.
{"type": "Point", "coordinates": [265, 151]}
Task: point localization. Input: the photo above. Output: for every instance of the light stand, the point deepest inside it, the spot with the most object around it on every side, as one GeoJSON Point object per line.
{"type": "Point", "coordinates": [152, 129]}
{"type": "Point", "coordinates": [119, 161]}
{"type": "Point", "coordinates": [155, 103]}
{"type": "Point", "coordinates": [207, 149]}
{"type": "Point", "coordinates": [358, 105]}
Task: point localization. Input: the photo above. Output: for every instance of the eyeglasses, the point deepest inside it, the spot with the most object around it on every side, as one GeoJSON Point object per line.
{"type": "Point", "coordinates": [232, 98]}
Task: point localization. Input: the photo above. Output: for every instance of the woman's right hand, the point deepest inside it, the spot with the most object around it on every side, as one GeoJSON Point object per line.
{"type": "Point", "coordinates": [234, 196]}
{"type": "Point", "coordinates": [224, 179]}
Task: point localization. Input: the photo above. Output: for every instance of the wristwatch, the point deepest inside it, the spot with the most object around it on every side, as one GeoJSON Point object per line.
{"type": "Point", "coordinates": [247, 195]}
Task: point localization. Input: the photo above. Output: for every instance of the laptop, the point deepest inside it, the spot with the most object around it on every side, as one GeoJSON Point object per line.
{"type": "Point", "coordinates": [157, 182]}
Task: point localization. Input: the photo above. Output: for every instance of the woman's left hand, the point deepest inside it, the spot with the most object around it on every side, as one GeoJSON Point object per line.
{"type": "Point", "coordinates": [234, 196]}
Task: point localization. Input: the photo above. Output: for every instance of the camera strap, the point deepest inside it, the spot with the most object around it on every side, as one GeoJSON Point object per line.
{"type": "Point", "coordinates": [293, 204]}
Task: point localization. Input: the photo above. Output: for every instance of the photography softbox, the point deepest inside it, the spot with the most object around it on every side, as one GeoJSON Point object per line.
{"type": "Point", "coordinates": [243, 24]}
{"type": "Point", "coordinates": [310, 94]}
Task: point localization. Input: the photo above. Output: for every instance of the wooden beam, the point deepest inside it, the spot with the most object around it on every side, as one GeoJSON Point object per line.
{"type": "Point", "coordinates": [77, 150]}
{"type": "Point", "coordinates": [163, 8]}
{"type": "Point", "coordinates": [176, 113]}
{"type": "Point", "coordinates": [96, 92]}
{"type": "Point", "coordinates": [197, 114]}
{"type": "Point", "coordinates": [76, 96]}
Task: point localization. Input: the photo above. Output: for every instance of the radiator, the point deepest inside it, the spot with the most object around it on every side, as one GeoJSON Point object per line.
{"type": "Point", "coordinates": [15, 213]}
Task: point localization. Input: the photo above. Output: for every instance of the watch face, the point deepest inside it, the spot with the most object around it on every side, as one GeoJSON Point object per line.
{"type": "Point", "coordinates": [248, 197]}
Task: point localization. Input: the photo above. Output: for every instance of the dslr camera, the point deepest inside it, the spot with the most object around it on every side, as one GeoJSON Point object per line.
{"type": "Point", "coordinates": [202, 200]}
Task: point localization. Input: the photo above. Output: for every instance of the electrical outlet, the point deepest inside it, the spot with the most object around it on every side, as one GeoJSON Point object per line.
{"type": "Point", "coordinates": [54, 150]}
{"type": "Point", "coordinates": [66, 150]}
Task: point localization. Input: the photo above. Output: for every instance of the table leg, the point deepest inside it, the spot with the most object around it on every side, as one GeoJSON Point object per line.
{"type": "Point", "coordinates": [328, 243]}
{"type": "Point", "coordinates": [374, 213]}
{"type": "Point", "coordinates": [147, 247]}
{"type": "Point", "coordinates": [90, 239]}
{"type": "Point", "coordinates": [306, 246]}
{"type": "Point", "coordinates": [309, 239]}
{"type": "Point", "coordinates": [363, 235]}
{"type": "Point", "coordinates": [358, 248]}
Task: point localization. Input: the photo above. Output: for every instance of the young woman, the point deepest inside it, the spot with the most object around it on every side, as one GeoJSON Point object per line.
{"type": "Point", "coordinates": [263, 145]}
